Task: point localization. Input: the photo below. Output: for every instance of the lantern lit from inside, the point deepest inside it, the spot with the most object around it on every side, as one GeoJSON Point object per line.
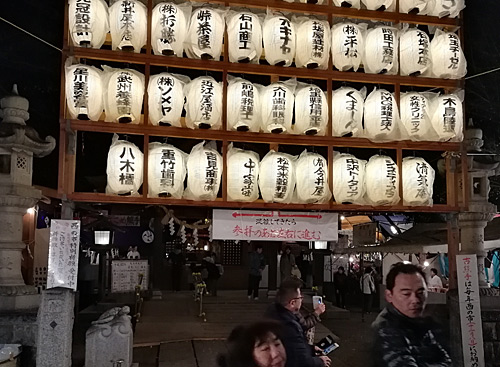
{"type": "Point", "coordinates": [243, 105]}
{"type": "Point", "coordinates": [103, 237]}
{"type": "Point", "coordinates": [379, 4]}
{"type": "Point", "coordinates": [244, 30]}
{"type": "Point", "coordinates": [169, 28]}
{"type": "Point", "coordinates": [447, 117]}
{"type": "Point", "coordinates": [203, 103]}
{"type": "Point", "coordinates": [347, 45]}
{"type": "Point", "coordinates": [348, 179]}
{"type": "Point", "coordinates": [88, 22]}
{"type": "Point", "coordinates": [279, 40]}
{"type": "Point", "coordinates": [311, 110]}
{"type": "Point", "coordinates": [381, 50]}
{"type": "Point", "coordinates": [277, 102]}
{"type": "Point", "coordinates": [418, 181]}
{"type": "Point", "coordinates": [128, 23]}
{"type": "Point", "coordinates": [84, 92]}
{"type": "Point", "coordinates": [125, 168]}
{"type": "Point", "coordinates": [414, 50]}
{"type": "Point", "coordinates": [355, 4]}
{"type": "Point", "coordinates": [204, 170]}
{"type": "Point", "coordinates": [166, 99]}
{"type": "Point", "coordinates": [166, 170]}
{"type": "Point", "coordinates": [448, 59]}
{"type": "Point", "coordinates": [312, 178]}
{"type": "Point", "coordinates": [313, 36]}
{"type": "Point", "coordinates": [205, 33]}
{"type": "Point", "coordinates": [347, 111]}
{"type": "Point", "coordinates": [445, 8]}
{"type": "Point", "coordinates": [382, 181]}
{"type": "Point", "coordinates": [415, 116]}
{"type": "Point", "coordinates": [420, 7]}
{"type": "Point", "coordinates": [277, 177]}
{"type": "Point", "coordinates": [123, 98]}
{"type": "Point", "coordinates": [242, 174]}
{"type": "Point", "coordinates": [381, 116]}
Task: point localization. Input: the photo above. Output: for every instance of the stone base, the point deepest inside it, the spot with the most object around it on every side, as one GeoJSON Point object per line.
{"type": "Point", "coordinates": [16, 328]}
{"type": "Point", "coordinates": [22, 302]}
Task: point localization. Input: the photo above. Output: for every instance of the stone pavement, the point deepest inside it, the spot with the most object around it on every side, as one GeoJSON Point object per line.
{"type": "Point", "coordinates": [170, 333]}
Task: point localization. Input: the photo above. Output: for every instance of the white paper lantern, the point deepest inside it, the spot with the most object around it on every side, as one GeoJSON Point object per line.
{"type": "Point", "coordinates": [243, 106]}
{"type": "Point", "coordinates": [166, 170]}
{"type": "Point", "coordinates": [312, 179]}
{"type": "Point", "coordinates": [347, 45]}
{"type": "Point", "coordinates": [244, 31]}
{"type": "Point", "coordinates": [448, 59]}
{"type": "Point", "coordinates": [166, 99]}
{"type": "Point", "coordinates": [277, 108]}
{"type": "Point", "coordinates": [124, 94]}
{"type": "Point", "coordinates": [347, 111]}
{"type": "Point", "coordinates": [242, 174]}
{"type": "Point", "coordinates": [279, 40]}
{"type": "Point", "coordinates": [313, 36]}
{"type": "Point", "coordinates": [125, 168]}
{"type": "Point", "coordinates": [128, 21]}
{"type": "Point", "coordinates": [446, 8]}
{"type": "Point", "coordinates": [348, 179]}
{"type": "Point", "coordinates": [381, 50]}
{"type": "Point", "coordinates": [88, 22]}
{"type": "Point", "coordinates": [84, 92]}
{"type": "Point", "coordinates": [204, 170]}
{"type": "Point", "coordinates": [203, 103]}
{"type": "Point", "coordinates": [206, 30]}
{"type": "Point", "coordinates": [355, 4]}
{"type": "Point", "coordinates": [379, 4]}
{"type": "Point", "coordinates": [448, 117]}
{"type": "Point", "coordinates": [414, 52]}
{"type": "Point", "coordinates": [382, 181]}
{"type": "Point", "coordinates": [414, 6]}
{"type": "Point", "coordinates": [169, 28]}
{"type": "Point", "coordinates": [415, 116]}
{"type": "Point", "coordinates": [311, 111]}
{"type": "Point", "coordinates": [277, 177]}
{"type": "Point", "coordinates": [418, 181]}
{"type": "Point", "coordinates": [318, 2]}
{"type": "Point", "coordinates": [381, 116]}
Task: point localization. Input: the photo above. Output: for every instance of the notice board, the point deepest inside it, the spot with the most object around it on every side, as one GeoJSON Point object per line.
{"type": "Point", "coordinates": [125, 275]}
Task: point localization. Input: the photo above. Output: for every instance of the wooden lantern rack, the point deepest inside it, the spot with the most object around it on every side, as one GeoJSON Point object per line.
{"type": "Point", "coordinates": [69, 127]}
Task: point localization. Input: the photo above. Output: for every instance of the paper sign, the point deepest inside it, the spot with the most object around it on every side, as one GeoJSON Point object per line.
{"type": "Point", "coordinates": [274, 225]}
{"type": "Point", "coordinates": [64, 243]}
{"type": "Point", "coordinates": [470, 311]}
{"type": "Point", "coordinates": [126, 274]}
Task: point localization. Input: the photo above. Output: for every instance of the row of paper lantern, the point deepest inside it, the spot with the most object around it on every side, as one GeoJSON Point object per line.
{"type": "Point", "coordinates": [350, 44]}
{"type": "Point", "coordinates": [251, 107]}
{"type": "Point", "coordinates": [279, 177]}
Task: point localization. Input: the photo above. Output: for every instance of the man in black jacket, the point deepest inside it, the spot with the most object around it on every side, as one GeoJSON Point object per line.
{"type": "Point", "coordinates": [403, 337]}
{"type": "Point", "coordinates": [285, 310]}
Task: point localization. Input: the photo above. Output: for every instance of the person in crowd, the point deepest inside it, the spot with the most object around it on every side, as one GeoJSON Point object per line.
{"type": "Point", "coordinates": [309, 321]}
{"type": "Point", "coordinates": [257, 264]}
{"type": "Point", "coordinates": [256, 345]}
{"type": "Point", "coordinates": [367, 286]}
{"type": "Point", "coordinates": [403, 337]}
{"type": "Point", "coordinates": [178, 262]}
{"type": "Point", "coordinates": [435, 282]}
{"type": "Point", "coordinates": [285, 310]}
{"type": "Point", "coordinates": [340, 283]}
{"type": "Point", "coordinates": [287, 263]}
{"type": "Point", "coordinates": [212, 273]}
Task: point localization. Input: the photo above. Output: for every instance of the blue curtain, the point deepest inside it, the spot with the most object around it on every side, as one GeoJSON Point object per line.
{"type": "Point", "coordinates": [496, 268]}
{"type": "Point", "coordinates": [444, 265]}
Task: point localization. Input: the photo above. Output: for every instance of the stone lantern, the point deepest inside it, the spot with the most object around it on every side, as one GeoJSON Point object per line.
{"type": "Point", "coordinates": [18, 144]}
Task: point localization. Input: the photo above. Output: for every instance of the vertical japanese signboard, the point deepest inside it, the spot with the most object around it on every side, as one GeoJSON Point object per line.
{"type": "Point", "coordinates": [274, 225]}
{"type": "Point", "coordinates": [470, 311]}
{"type": "Point", "coordinates": [64, 244]}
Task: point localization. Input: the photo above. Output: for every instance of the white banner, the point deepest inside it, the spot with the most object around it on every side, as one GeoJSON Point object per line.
{"type": "Point", "coordinates": [470, 311]}
{"type": "Point", "coordinates": [274, 225]}
{"type": "Point", "coordinates": [64, 243]}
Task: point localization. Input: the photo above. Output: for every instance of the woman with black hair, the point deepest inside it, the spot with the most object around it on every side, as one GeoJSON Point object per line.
{"type": "Point", "coordinates": [256, 345]}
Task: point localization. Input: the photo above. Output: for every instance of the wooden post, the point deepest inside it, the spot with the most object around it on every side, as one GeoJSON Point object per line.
{"type": "Point", "coordinates": [453, 248]}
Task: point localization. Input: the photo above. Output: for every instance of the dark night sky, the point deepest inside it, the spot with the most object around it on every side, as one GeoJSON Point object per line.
{"type": "Point", "coordinates": [36, 68]}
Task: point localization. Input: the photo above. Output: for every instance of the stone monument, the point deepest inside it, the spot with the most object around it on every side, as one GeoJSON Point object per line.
{"type": "Point", "coordinates": [19, 143]}
{"type": "Point", "coordinates": [109, 341]}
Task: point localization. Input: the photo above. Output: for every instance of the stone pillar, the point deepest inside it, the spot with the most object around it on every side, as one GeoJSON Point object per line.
{"type": "Point", "coordinates": [472, 224]}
